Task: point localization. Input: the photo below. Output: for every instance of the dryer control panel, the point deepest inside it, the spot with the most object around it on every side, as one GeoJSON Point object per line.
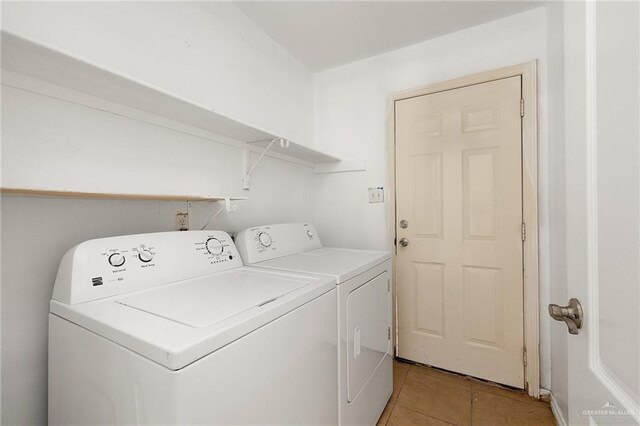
{"type": "Point", "coordinates": [112, 266]}
{"type": "Point", "coordinates": [268, 242]}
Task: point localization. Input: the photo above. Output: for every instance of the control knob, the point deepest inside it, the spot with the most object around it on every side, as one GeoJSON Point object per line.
{"type": "Point", "coordinates": [264, 239]}
{"type": "Point", "coordinates": [116, 259]}
{"type": "Point", "coordinates": [145, 255]}
{"type": "Point", "coordinates": [214, 246]}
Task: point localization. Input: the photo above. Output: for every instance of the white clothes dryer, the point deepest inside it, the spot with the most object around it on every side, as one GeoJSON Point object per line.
{"type": "Point", "coordinates": [363, 279]}
{"type": "Point", "coordinates": [170, 328]}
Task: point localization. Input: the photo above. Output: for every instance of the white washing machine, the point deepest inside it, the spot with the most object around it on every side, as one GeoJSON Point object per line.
{"type": "Point", "coordinates": [170, 328]}
{"type": "Point", "coordinates": [365, 370]}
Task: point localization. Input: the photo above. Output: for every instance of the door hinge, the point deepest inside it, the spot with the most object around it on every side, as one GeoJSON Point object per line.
{"type": "Point", "coordinates": [388, 285]}
{"type": "Point", "coordinates": [524, 356]}
{"type": "Point", "coordinates": [389, 333]}
{"type": "Point", "coordinates": [521, 107]}
{"type": "Point", "coordinates": [523, 230]}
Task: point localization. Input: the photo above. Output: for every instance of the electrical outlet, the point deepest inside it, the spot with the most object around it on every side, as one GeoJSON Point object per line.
{"type": "Point", "coordinates": [182, 221]}
{"type": "Point", "coordinates": [376, 195]}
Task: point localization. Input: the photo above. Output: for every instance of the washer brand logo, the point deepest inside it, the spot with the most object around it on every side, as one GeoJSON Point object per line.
{"type": "Point", "coordinates": [96, 281]}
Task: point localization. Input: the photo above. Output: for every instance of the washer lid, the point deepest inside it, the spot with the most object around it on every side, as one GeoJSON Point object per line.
{"type": "Point", "coordinates": [342, 264]}
{"type": "Point", "coordinates": [177, 324]}
{"type": "Point", "coordinates": [204, 301]}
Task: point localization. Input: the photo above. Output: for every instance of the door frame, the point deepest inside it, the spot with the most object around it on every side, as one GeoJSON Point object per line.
{"type": "Point", "coordinates": [531, 326]}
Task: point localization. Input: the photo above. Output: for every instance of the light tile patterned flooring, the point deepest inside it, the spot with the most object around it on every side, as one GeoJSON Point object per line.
{"type": "Point", "coordinates": [428, 396]}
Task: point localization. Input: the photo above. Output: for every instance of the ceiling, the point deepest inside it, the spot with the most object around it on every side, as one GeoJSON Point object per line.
{"type": "Point", "coordinates": [326, 34]}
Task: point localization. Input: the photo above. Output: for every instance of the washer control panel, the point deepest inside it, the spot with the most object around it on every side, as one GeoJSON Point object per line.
{"type": "Point", "coordinates": [268, 242]}
{"type": "Point", "coordinates": [121, 258]}
{"type": "Point", "coordinates": [112, 266]}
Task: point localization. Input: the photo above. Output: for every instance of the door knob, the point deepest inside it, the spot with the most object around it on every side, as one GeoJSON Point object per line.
{"type": "Point", "coordinates": [404, 242]}
{"type": "Point", "coordinates": [570, 314]}
{"type": "Point", "coordinates": [404, 224]}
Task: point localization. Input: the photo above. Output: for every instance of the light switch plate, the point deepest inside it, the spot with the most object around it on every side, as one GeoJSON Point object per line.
{"type": "Point", "coordinates": [376, 195]}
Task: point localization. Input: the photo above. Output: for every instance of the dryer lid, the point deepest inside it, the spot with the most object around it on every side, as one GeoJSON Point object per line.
{"type": "Point", "coordinates": [206, 301]}
{"type": "Point", "coordinates": [342, 264]}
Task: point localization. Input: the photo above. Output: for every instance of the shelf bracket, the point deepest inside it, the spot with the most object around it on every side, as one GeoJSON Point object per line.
{"type": "Point", "coordinates": [228, 206]}
{"type": "Point", "coordinates": [246, 161]}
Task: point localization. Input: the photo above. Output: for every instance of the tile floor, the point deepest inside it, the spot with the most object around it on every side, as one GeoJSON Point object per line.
{"type": "Point", "coordinates": [428, 396]}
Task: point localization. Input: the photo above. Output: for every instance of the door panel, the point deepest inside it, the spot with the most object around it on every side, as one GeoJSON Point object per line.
{"type": "Point", "coordinates": [481, 194]}
{"type": "Point", "coordinates": [429, 298]}
{"type": "Point", "coordinates": [459, 186]}
{"type": "Point", "coordinates": [602, 99]}
{"type": "Point", "coordinates": [428, 197]}
{"type": "Point", "coordinates": [482, 307]}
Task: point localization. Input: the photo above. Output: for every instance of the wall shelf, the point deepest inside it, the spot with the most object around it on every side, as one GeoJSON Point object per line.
{"type": "Point", "coordinates": [111, 196]}
{"type": "Point", "coordinates": [43, 63]}
{"type": "Point", "coordinates": [297, 151]}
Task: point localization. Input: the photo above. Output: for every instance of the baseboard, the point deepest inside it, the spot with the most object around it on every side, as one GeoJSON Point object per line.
{"type": "Point", "coordinates": [545, 395]}
{"type": "Point", "coordinates": [555, 409]}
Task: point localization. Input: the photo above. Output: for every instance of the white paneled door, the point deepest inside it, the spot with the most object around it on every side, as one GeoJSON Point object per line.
{"type": "Point", "coordinates": [602, 101]}
{"type": "Point", "coordinates": [459, 212]}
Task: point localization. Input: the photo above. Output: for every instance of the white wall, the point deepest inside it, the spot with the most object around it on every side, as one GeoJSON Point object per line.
{"type": "Point", "coordinates": [207, 52]}
{"type": "Point", "coordinates": [351, 106]}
